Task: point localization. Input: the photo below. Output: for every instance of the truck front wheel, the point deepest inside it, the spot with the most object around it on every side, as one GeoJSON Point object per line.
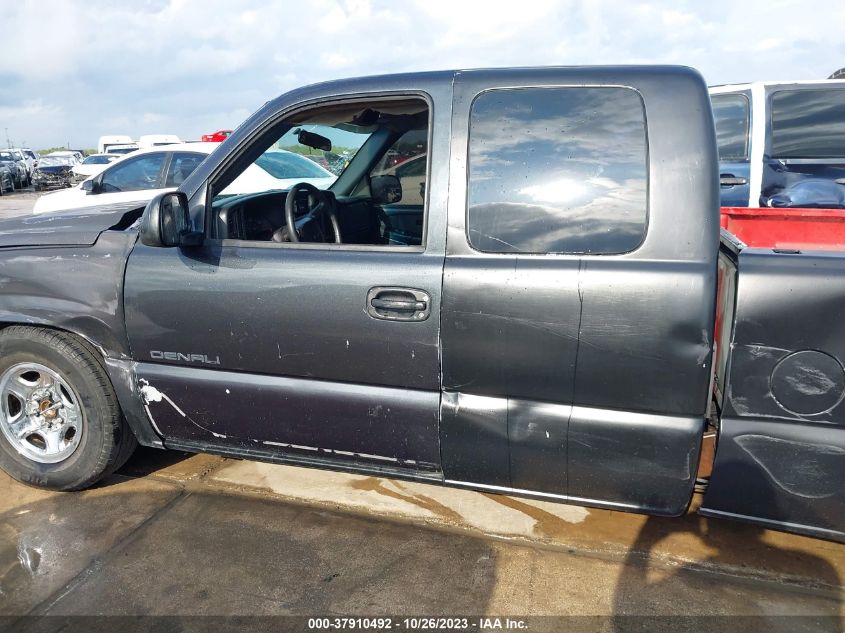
{"type": "Point", "coordinates": [61, 427]}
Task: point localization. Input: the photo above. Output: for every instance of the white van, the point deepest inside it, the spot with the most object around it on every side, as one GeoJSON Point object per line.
{"type": "Point", "coordinates": [112, 139]}
{"type": "Point", "coordinates": [146, 141]}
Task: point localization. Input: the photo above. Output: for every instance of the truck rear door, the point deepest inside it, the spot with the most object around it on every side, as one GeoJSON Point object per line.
{"type": "Point", "coordinates": [804, 162]}
{"type": "Point", "coordinates": [579, 284]}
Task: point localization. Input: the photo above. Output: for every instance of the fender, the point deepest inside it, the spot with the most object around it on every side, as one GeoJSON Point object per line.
{"type": "Point", "coordinates": [76, 287]}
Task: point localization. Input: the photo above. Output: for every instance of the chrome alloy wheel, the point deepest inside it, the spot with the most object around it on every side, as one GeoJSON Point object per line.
{"type": "Point", "coordinates": [40, 414]}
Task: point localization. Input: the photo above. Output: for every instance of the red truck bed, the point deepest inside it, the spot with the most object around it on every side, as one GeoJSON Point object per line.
{"type": "Point", "coordinates": [800, 229]}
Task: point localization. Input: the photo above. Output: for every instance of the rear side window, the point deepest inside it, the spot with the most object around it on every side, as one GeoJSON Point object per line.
{"type": "Point", "coordinates": [181, 166]}
{"type": "Point", "coordinates": [731, 115]}
{"type": "Point", "coordinates": [557, 170]}
{"type": "Point", "coordinates": [808, 124]}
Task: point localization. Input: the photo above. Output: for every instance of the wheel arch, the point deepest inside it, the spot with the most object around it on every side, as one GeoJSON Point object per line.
{"type": "Point", "coordinates": [119, 367]}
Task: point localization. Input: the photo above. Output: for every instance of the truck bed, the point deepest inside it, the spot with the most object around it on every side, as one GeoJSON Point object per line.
{"type": "Point", "coordinates": [795, 229]}
{"type": "Point", "coordinates": [780, 381]}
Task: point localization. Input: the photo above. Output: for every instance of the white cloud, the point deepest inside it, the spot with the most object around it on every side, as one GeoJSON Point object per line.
{"type": "Point", "coordinates": [201, 64]}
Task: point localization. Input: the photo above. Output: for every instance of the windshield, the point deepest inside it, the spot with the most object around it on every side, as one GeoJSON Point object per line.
{"type": "Point", "coordinates": [344, 144]}
{"type": "Point", "coordinates": [98, 160]}
{"type": "Point", "coordinates": [283, 164]}
{"type": "Point", "coordinates": [53, 161]}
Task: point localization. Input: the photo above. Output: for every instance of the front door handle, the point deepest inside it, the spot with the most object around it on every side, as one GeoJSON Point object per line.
{"type": "Point", "coordinates": [392, 303]}
{"type": "Point", "coordinates": [729, 180]}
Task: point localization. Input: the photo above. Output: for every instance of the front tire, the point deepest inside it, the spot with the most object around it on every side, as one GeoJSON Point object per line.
{"type": "Point", "coordinates": [61, 427]}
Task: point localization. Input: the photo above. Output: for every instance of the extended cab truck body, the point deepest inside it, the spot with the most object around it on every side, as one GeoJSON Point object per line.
{"type": "Point", "coordinates": [549, 313]}
{"type": "Point", "coordinates": [781, 144]}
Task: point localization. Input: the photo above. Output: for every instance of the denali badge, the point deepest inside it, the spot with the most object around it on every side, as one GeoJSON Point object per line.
{"type": "Point", "coordinates": [185, 358]}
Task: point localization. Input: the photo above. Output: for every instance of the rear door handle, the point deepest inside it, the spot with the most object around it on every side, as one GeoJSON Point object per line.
{"type": "Point", "coordinates": [392, 303]}
{"type": "Point", "coordinates": [729, 180]}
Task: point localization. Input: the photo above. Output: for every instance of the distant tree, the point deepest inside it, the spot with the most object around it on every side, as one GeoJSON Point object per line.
{"type": "Point", "coordinates": [52, 149]}
{"type": "Point", "coordinates": [86, 152]}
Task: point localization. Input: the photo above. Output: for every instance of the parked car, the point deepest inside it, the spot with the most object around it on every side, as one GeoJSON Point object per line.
{"type": "Point", "coordinates": [7, 182]}
{"type": "Point", "coordinates": [139, 176]}
{"type": "Point", "coordinates": [567, 327]}
{"type": "Point", "coordinates": [53, 171]}
{"type": "Point", "coordinates": [93, 165]}
{"type": "Point", "coordinates": [14, 161]}
{"type": "Point", "coordinates": [29, 158]}
{"type": "Point", "coordinates": [21, 159]}
{"type": "Point", "coordinates": [781, 144]}
{"type": "Point", "coordinates": [74, 155]}
{"type": "Point", "coordinates": [216, 137]}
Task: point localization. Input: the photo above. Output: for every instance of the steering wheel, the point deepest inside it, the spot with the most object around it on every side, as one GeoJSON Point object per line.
{"type": "Point", "coordinates": [318, 204]}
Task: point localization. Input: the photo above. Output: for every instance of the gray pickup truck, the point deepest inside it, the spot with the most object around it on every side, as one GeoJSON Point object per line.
{"type": "Point", "coordinates": [516, 284]}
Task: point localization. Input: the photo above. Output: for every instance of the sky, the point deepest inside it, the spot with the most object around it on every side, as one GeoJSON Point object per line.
{"type": "Point", "coordinates": [73, 70]}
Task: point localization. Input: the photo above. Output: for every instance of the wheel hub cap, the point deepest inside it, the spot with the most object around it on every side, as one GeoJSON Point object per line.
{"type": "Point", "coordinates": [40, 415]}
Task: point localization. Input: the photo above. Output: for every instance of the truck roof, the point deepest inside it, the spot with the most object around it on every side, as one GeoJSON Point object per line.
{"type": "Point", "coordinates": [718, 88]}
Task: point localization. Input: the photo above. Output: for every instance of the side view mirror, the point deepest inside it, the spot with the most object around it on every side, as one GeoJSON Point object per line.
{"type": "Point", "coordinates": [386, 189]}
{"type": "Point", "coordinates": [91, 186]}
{"type": "Point", "coordinates": [166, 222]}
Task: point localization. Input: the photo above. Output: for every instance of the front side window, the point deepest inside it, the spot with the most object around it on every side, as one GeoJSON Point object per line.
{"type": "Point", "coordinates": [289, 190]}
{"type": "Point", "coordinates": [730, 113]}
{"type": "Point", "coordinates": [808, 124]}
{"type": "Point", "coordinates": [557, 170]}
{"type": "Point", "coordinates": [134, 174]}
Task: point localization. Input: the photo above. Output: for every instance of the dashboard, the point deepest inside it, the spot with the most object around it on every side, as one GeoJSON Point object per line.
{"type": "Point", "coordinates": [256, 217]}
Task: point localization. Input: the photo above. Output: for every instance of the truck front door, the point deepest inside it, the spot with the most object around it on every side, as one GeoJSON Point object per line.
{"type": "Point", "coordinates": [303, 351]}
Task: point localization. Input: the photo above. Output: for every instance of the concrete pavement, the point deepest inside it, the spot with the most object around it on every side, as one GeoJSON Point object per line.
{"type": "Point", "coordinates": [18, 203]}
{"type": "Point", "coordinates": [208, 536]}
